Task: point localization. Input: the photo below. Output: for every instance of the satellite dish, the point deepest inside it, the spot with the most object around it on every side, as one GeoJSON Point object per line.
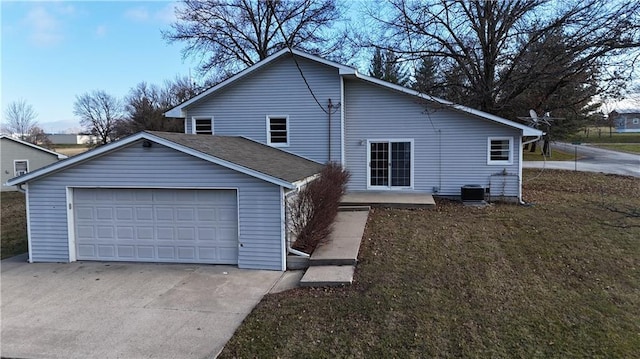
{"type": "Point", "coordinates": [534, 115]}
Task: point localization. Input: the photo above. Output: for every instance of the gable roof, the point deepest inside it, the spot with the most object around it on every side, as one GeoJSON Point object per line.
{"type": "Point", "coordinates": [178, 111]}
{"type": "Point", "coordinates": [236, 153]}
{"type": "Point", "coordinates": [347, 71]}
{"type": "Point", "coordinates": [59, 155]}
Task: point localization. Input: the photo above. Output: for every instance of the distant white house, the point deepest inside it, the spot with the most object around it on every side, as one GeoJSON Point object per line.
{"type": "Point", "coordinates": [626, 120]}
{"type": "Point", "coordinates": [19, 157]}
{"type": "Point", "coordinates": [71, 139]}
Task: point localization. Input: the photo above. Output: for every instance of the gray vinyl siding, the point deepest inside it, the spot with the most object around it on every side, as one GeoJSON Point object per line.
{"type": "Point", "coordinates": [11, 150]}
{"type": "Point", "coordinates": [450, 148]}
{"type": "Point", "coordinates": [157, 167]}
{"type": "Point", "coordinates": [277, 89]}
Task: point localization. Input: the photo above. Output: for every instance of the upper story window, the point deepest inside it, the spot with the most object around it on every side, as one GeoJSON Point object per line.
{"type": "Point", "coordinates": [202, 125]}
{"type": "Point", "coordinates": [500, 151]}
{"type": "Point", "coordinates": [278, 130]}
{"type": "Point", "coordinates": [20, 167]}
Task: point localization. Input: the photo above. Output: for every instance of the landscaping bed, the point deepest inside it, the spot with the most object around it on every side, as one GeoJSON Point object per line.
{"type": "Point", "coordinates": [559, 279]}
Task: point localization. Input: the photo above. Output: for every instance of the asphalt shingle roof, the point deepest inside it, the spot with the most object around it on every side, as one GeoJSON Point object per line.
{"type": "Point", "coordinates": [247, 153]}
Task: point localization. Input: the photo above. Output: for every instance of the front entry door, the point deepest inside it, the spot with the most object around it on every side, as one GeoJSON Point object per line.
{"type": "Point", "coordinates": [390, 164]}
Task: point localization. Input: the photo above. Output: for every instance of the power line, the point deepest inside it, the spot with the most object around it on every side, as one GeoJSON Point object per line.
{"type": "Point", "coordinates": [286, 42]}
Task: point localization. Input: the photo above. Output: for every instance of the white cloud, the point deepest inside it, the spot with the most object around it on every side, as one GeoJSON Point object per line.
{"type": "Point", "coordinates": [101, 30]}
{"type": "Point", "coordinates": [167, 13]}
{"type": "Point", "coordinates": [139, 14]}
{"type": "Point", "coordinates": [45, 28]}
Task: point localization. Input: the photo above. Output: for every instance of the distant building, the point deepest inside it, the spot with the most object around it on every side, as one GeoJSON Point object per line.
{"type": "Point", "coordinates": [71, 139]}
{"type": "Point", "coordinates": [21, 157]}
{"type": "Point", "coordinates": [626, 120]}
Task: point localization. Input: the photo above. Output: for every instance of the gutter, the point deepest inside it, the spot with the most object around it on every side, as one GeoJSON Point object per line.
{"type": "Point", "coordinates": [297, 252]}
{"type": "Point", "coordinates": [534, 140]}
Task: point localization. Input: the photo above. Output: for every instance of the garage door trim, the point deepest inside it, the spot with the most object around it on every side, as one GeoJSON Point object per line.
{"type": "Point", "coordinates": [70, 208]}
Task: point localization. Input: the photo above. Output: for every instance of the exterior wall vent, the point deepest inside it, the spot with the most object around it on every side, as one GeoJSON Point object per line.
{"type": "Point", "coordinates": [472, 192]}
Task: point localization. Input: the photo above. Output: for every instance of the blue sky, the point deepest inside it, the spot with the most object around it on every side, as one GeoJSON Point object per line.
{"type": "Point", "coordinates": [53, 51]}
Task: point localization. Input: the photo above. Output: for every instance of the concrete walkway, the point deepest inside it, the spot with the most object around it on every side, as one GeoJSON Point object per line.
{"type": "Point", "coordinates": [592, 159]}
{"type": "Point", "coordinates": [333, 262]}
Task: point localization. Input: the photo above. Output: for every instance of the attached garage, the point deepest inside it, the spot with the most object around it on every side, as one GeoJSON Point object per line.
{"type": "Point", "coordinates": [167, 198]}
{"type": "Point", "coordinates": [156, 225]}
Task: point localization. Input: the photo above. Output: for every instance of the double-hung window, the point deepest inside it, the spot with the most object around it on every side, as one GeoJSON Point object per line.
{"type": "Point", "coordinates": [202, 125]}
{"type": "Point", "coordinates": [278, 130]}
{"type": "Point", "coordinates": [500, 151]}
{"type": "Point", "coordinates": [20, 167]}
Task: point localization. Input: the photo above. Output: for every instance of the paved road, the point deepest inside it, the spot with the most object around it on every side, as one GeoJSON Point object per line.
{"type": "Point", "coordinates": [593, 160]}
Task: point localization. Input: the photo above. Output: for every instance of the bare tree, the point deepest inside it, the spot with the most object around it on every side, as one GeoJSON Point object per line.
{"type": "Point", "coordinates": [19, 119]}
{"type": "Point", "coordinates": [99, 113]}
{"type": "Point", "coordinates": [234, 34]}
{"type": "Point", "coordinates": [39, 137]}
{"type": "Point", "coordinates": [146, 104]}
{"type": "Point", "coordinates": [484, 48]}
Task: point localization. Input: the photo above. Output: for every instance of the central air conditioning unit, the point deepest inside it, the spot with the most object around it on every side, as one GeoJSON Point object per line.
{"type": "Point", "coordinates": [472, 192]}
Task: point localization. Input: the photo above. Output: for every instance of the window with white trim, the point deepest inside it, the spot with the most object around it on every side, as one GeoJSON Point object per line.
{"type": "Point", "coordinates": [278, 130]}
{"type": "Point", "coordinates": [500, 151]}
{"type": "Point", "coordinates": [202, 125]}
{"type": "Point", "coordinates": [20, 167]}
{"type": "Point", "coordinates": [636, 121]}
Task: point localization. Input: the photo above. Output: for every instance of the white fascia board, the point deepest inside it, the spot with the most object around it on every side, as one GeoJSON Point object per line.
{"type": "Point", "coordinates": [60, 155]}
{"type": "Point", "coordinates": [179, 112]}
{"type": "Point", "coordinates": [74, 160]}
{"type": "Point", "coordinates": [219, 161]}
{"type": "Point", "coordinates": [526, 130]}
{"type": "Point", "coordinates": [144, 135]}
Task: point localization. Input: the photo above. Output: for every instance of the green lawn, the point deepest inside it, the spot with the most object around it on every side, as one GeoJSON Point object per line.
{"type": "Point", "coordinates": [559, 279]}
{"type": "Point", "coordinates": [556, 155]}
{"type": "Point", "coordinates": [623, 147]}
{"type": "Point", "coordinates": [13, 224]}
{"type": "Point", "coordinates": [605, 138]}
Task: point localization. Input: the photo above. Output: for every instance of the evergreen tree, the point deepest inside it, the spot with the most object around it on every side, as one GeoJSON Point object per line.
{"type": "Point", "coordinates": [386, 66]}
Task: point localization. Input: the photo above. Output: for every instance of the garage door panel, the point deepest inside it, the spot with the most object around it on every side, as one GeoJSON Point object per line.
{"type": "Point", "coordinates": [127, 252]}
{"type": "Point", "coordinates": [124, 214]}
{"type": "Point", "coordinates": [144, 232]}
{"type": "Point", "coordinates": [144, 214]}
{"type": "Point", "coordinates": [125, 233]}
{"type": "Point", "coordinates": [145, 252]}
{"type": "Point", "coordinates": [86, 250]}
{"type": "Point", "coordinates": [105, 232]}
{"type": "Point", "coordinates": [164, 213]}
{"type": "Point", "coordinates": [84, 212]}
{"type": "Point", "coordinates": [106, 251]}
{"type": "Point", "coordinates": [187, 234]}
{"type": "Point", "coordinates": [157, 225]}
{"type": "Point", "coordinates": [186, 214]}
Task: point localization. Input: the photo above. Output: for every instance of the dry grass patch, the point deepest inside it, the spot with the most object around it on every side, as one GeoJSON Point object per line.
{"type": "Point", "coordinates": [557, 279]}
{"type": "Point", "coordinates": [13, 224]}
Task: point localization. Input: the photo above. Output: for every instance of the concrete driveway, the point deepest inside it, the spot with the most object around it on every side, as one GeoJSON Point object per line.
{"type": "Point", "coordinates": [124, 310]}
{"type": "Point", "coordinates": [593, 159]}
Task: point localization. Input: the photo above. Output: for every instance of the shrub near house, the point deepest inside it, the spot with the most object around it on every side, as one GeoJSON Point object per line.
{"type": "Point", "coordinates": [316, 206]}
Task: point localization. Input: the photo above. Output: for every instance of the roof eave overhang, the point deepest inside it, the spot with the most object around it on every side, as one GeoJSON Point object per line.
{"type": "Point", "coordinates": [59, 155]}
{"type": "Point", "coordinates": [179, 111]}
{"type": "Point", "coordinates": [526, 130]}
{"type": "Point", "coordinates": [136, 137]}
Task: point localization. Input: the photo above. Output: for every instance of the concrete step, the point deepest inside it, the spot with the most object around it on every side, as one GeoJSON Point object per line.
{"type": "Point", "coordinates": [343, 244]}
{"type": "Point", "coordinates": [328, 276]}
{"type": "Point", "coordinates": [353, 208]}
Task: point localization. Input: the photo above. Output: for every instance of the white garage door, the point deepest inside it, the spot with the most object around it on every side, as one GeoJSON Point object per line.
{"type": "Point", "coordinates": [156, 225]}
